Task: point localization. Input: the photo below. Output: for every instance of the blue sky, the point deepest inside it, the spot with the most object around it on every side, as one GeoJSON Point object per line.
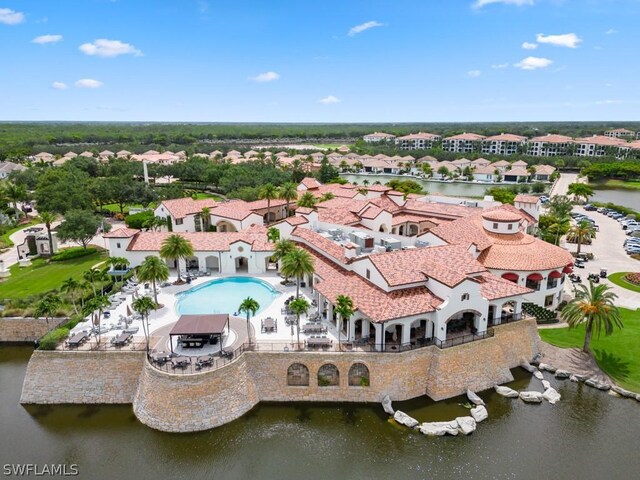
{"type": "Point", "coordinates": [320, 61]}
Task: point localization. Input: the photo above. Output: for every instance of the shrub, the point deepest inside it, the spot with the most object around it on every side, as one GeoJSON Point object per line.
{"type": "Point", "coordinates": [137, 220]}
{"type": "Point", "coordinates": [632, 278]}
{"type": "Point", "coordinates": [72, 252]}
{"type": "Point", "coordinates": [51, 340]}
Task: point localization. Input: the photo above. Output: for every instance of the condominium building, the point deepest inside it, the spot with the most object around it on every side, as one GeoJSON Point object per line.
{"type": "Point", "coordinates": [620, 133]}
{"type": "Point", "coordinates": [503, 144]}
{"type": "Point", "coordinates": [418, 141]}
{"type": "Point", "coordinates": [463, 143]}
{"type": "Point", "coordinates": [550, 145]}
{"type": "Point", "coordinates": [599, 145]}
{"type": "Point", "coordinates": [378, 137]}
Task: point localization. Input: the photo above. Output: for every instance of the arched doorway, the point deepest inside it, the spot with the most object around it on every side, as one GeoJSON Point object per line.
{"type": "Point", "coordinates": [242, 264]}
{"type": "Point", "coordinates": [463, 323]}
{"type": "Point", "coordinates": [224, 226]}
{"type": "Point", "coordinates": [212, 263]}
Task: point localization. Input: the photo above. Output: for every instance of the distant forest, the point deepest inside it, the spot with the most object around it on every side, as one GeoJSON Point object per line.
{"type": "Point", "coordinates": [20, 139]}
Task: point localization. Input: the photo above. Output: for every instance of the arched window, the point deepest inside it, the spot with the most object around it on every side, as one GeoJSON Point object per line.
{"type": "Point", "coordinates": [358, 375]}
{"type": "Point", "coordinates": [298, 375]}
{"type": "Point", "coordinates": [328, 376]}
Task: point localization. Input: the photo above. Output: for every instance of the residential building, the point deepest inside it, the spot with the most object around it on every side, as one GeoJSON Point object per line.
{"type": "Point", "coordinates": [516, 174]}
{"type": "Point", "coordinates": [378, 137]}
{"type": "Point", "coordinates": [418, 141]}
{"type": "Point", "coordinates": [550, 145]}
{"type": "Point", "coordinates": [463, 143]}
{"type": "Point", "coordinates": [620, 133]}
{"type": "Point", "coordinates": [7, 167]}
{"type": "Point", "coordinates": [503, 144]}
{"type": "Point", "coordinates": [599, 145]}
{"type": "Point", "coordinates": [543, 173]}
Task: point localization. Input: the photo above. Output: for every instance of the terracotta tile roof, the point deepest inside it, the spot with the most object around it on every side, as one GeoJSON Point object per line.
{"type": "Point", "coordinates": [262, 204]}
{"type": "Point", "coordinates": [621, 130]}
{"type": "Point", "coordinates": [500, 163]}
{"type": "Point", "coordinates": [466, 136]}
{"type": "Point", "coordinates": [501, 215]}
{"type": "Point", "coordinates": [304, 210]}
{"type": "Point", "coordinates": [635, 145]}
{"type": "Point", "coordinates": [411, 217]}
{"type": "Point", "coordinates": [122, 232]}
{"type": "Point", "coordinates": [235, 210]}
{"type": "Point", "coordinates": [420, 136]}
{"type": "Point", "coordinates": [527, 198]}
{"type": "Point", "coordinates": [370, 211]}
{"type": "Point", "coordinates": [463, 232]}
{"type": "Point", "coordinates": [480, 161]}
{"type": "Point", "coordinates": [378, 188]}
{"type": "Point", "coordinates": [485, 170]}
{"type": "Point", "coordinates": [310, 183]}
{"type": "Point", "coordinates": [337, 216]}
{"type": "Point", "coordinates": [329, 247]}
{"type": "Point", "coordinates": [385, 203]}
{"type": "Point", "coordinates": [519, 163]}
{"type": "Point", "coordinates": [449, 264]}
{"type": "Point", "coordinates": [505, 137]}
{"type": "Point", "coordinates": [552, 138]}
{"type": "Point", "coordinates": [493, 287]}
{"type": "Point", "coordinates": [439, 209]}
{"type": "Point", "coordinates": [202, 241]}
{"type": "Point", "coordinates": [544, 169]}
{"type": "Point", "coordinates": [602, 141]}
{"type": "Point", "coordinates": [518, 172]}
{"type": "Point", "coordinates": [181, 207]}
{"type": "Point", "coordinates": [296, 220]}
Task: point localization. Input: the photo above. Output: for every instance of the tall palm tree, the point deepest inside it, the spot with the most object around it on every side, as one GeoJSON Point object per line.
{"type": "Point", "coordinates": [92, 276]}
{"type": "Point", "coordinates": [47, 307]}
{"type": "Point", "coordinates": [144, 305]}
{"type": "Point", "coordinates": [176, 248]}
{"type": "Point", "coordinates": [71, 287]}
{"type": "Point", "coordinates": [582, 231]}
{"type": "Point", "coordinates": [595, 307]}
{"type": "Point", "coordinates": [153, 270]}
{"type": "Point", "coordinates": [118, 263]}
{"type": "Point", "coordinates": [96, 304]}
{"type": "Point", "coordinates": [288, 191]}
{"type": "Point", "coordinates": [344, 309]}
{"type": "Point", "coordinates": [307, 200]}
{"type": "Point", "coordinates": [269, 192]}
{"type": "Point", "coordinates": [273, 234]}
{"type": "Point", "coordinates": [299, 306]}
{"type": "Point", "coordinates": [205, 218]}
{"type": "Point", "coordinates": [250, 307]}
{"type": "Point", "coordinates": [297, 263]}
{"type": "Point", "coordinates": [15, 193]}
{"type": "Point", "coordinates": [282, 248]}
{"type": "Point", "coordinates": [48, 218]}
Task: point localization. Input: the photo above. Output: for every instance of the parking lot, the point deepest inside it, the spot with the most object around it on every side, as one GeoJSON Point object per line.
{"type": "Point", "coordinates": [609, 254]}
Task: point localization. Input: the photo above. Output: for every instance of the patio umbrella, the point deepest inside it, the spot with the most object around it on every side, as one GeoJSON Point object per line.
{"type": "Point", "coordinates": [129, 312]}
{"type": "Point", "coordinates": [395, 335]}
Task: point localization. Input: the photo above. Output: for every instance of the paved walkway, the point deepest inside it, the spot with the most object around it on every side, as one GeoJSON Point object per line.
{"type": "Point", "coordinates": [608, 253]}
{"type": "Point", "coordinates": [562, 185]}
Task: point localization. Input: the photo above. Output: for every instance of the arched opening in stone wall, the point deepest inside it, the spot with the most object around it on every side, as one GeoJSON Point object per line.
{"type": "Point", "coordinates": [359, 375]}
{"type": "Point", "coordinates": [328, 376]}
{"type": "Point", "coordinates": [298, 375]}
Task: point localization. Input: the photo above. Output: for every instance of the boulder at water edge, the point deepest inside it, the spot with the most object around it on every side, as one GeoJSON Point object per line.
{"type": "Point", "coordinates": [473, 398]}
{"type": "Point", "coordinates": [438, 429]}
{"type": "Point", "coordinates": [595, 383]}
{"type": "Point", "coordinates": [506, 391]}
{"type": "Point", "coordinates": [466, 425]}
{"type": "Point", "coordinates": [622, 392]}
{"type": "Point", "coordinates": [548, 368]}
{"type": "Point", "coordinates": [479, 413]}
{"type": "Point", "coordinates": [562, 374]}
{"type": "Point", "coordinates": [386, 405]}
{"type": "Point", "coordinates": [531, 397]}
{"type": "Point", "coordinates": [538, 374]}
{"type": "Point", "coordinates": [545, 384]}
{"type": "Point", "coordinates": [404, 419]}
{"type": "Point", "coordinates": [551, 395]}
{"type": "Point", "coordinates": [528, 367]}
{"type": "Point", "coordinates": [577, 378]}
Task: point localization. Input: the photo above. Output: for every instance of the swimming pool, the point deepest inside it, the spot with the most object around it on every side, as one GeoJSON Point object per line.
{"type": "Point", "coordinates": [224, 295]}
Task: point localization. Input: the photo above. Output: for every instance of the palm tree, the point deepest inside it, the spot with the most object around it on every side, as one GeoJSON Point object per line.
{"type": "Point", "coordinates": [582, 231]}
{"type": "Point", "coordinates": [155, 223]}
{"type": "Point", "coordinates": [153, 270]}
{"type": "Point", "coordinates": [269, 192]}
{"type": "Point", "coordinates": [299, 306]}
{"type": "Point", "coordinates": [443, 171]}
{"type": "Point", "coordinates": [176, 248]}
{"type": "Point", "coordinates": [594, 306]}
{"type": "Point", "coordinates": [97, 303]}
{"type": "Point", "coordinates": [297, 263]}
{"type": "Point", "coordinates": [205, 218]}
{"type": "Point", "coordinates": [71, 286]}
{"type": "Point", "coordinates": [365, 182]}
{"type": "Point", "coordinates": [15, 193]}
{"type": "Point", "coordinates": [344, 309]}
{"type": "Point", "coordinates": [288, 191]}
{"type": "Point", "coordinates": [118, 263]}
{"type": "Point", "coordinates": [48, 218]}
{"type": "Point", "coordinates": [580, 190]}
{"type": "Point", "coordinates": [307, 200]}
{"type": "Point", "coordinates": [363, 191]}
{"type": "Point", "coordinates": [92, 276]}
{"type": "Point", "coordinates": [250, 307]}
{"type": "Point", "coordinates": [326, 196]}
{"type": "Point", "coordinates": [144, 305]}
{"type": "Point", "coordinates": [47, 307]}
{"type": "Point", "coordinates": [273, 234]}
{"type": "Point", "coordinates": [281, 249]}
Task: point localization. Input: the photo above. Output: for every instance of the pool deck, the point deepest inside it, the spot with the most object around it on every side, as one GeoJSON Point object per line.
{"type": "Point", "coordinates": [161, 320]}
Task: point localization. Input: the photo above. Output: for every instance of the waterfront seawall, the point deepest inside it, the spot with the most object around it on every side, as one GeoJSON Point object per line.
{"type": "Point", "coordinates": [26, 330]}
{"type": "Point", "coordinates": [186, 403]}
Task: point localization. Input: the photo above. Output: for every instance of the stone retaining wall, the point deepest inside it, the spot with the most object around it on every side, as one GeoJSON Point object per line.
{"type": "Point", "coordinates": [26, 330]}
{"type": "Point", "coordinates": [182, 403]}
{"type": "Point", "coordinates": [82, 377]}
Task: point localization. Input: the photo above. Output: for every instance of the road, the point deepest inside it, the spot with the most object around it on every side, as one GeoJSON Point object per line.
{"type": "Point", "coordinates": [562, 185]}
{"type": "Point", "coordinates": [608, 253]}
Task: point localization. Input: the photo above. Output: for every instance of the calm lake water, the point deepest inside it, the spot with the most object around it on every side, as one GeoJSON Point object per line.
{"type": "Point", "coordinates": [626, 198]}
{"type": "Point", "coordinates": [588, 435]}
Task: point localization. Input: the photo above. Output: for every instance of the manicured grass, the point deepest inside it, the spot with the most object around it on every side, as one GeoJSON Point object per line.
{"type": "Point", "coordinates": [41, 276]}
{"type": "Point", "coordinates": [203, 195]}
{"type": "Point", "coordinates": [331, 145]}
{"type": "Point", "coordinates": [4, 238]}
{"type": "Point", "coordinates": [617, 355]}
{"type": "Point", "coordinates": [616, 184]}
{"type": "Point", "coordinates": [621, 282]}
{"type": "Point", "coordinates": [113, 207]}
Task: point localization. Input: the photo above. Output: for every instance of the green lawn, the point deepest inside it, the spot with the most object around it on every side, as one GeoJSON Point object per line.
{"type": "Point", "coordinates": [618, 355]}
{"type": "Point", "coordinates": [618, 280]}
{"type": "Point", "coordinates": [4, 238]}
{"type": "Point", "coordinates": [113, 207]}
{"type": "Point", "coordinates": [42, 277]}
{"type": "Point", "coordinates": [203, 195]}
{"type": "Point", "coordinates": [611, 184]}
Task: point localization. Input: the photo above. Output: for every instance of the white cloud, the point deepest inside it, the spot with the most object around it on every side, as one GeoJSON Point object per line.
{"type": "Point", "coordinates": [103, 47]}
{"type": "Point", "coordinates": [533, 63]}
{"type": "Point", "coordinates": [11, 17]}
{"type": "Point", "coordinates": [569, 40]}
{"type": "Point", "coordinates": [519, 3]}
{"type": "Point", "coordinates": [265, 77]}
{"type": "Point", "coordinates": [42, 39]}
{"type": "Point", "coordinates": [363, 26]}
{"type": "Point", "coordinates": [328, 100]}
{"type": "Point", "coordinates": [88, 83]}
{"type": "Point", "coordinates": [609, 102]}
{"type": "Point", "coordinates": [499, 65]}
{"type": "Point", "coordinates": [529, 46]}
{"type": "Point", "coordinates": [59, 86]}
{"type": "Point", "coordinates": [474, 73]}
{"type": "Point", "coordinates": [611, 31]}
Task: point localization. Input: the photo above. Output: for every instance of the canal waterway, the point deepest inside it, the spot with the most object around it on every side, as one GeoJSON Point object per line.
{"type": "Point", "coordinates": [588, 435]}
{"type": "Point", "coordinates": [626, 198]}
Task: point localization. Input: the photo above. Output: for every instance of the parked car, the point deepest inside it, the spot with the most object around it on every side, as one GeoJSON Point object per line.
{"type": "Point", "coordinates": [602, 210]}
{"type": "Point", "coordinates": [26, 208]}
{"type": "Point", "coordinates": [590, 208]}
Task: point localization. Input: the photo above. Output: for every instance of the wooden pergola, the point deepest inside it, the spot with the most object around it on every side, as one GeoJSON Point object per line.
{"type": "Point", "coordinates": [201, 328]}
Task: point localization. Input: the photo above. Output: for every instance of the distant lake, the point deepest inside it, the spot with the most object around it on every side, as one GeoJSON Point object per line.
{"type": "Point", "coordinates": [453, 189]}
{"type": "Point", "coordinates": [626, 198]}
